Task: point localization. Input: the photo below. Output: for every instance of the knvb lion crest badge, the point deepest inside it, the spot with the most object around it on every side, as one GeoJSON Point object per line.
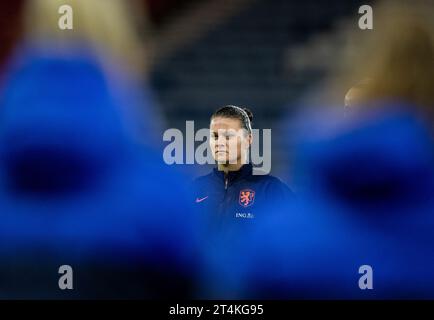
{"type": "Point", "coordinates": [247, 197]}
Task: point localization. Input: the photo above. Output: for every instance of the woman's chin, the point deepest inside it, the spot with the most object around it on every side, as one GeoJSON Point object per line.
{"type": "Point", "coordinates": [221, 160]}
{"type": "Point", "coordinates": [221, 157]}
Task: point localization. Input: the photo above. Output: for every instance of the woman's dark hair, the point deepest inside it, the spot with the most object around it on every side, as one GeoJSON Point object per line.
{"type": "Point", "coordinates": [243, 114]}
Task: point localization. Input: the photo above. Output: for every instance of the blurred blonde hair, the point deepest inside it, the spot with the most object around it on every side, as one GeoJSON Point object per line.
{"type": "Point", "coordinates": [108, 26]}
{"type": "Point", "coordinates": [403, 66]}
{"type": "Point", "coordinates": [397, 55]}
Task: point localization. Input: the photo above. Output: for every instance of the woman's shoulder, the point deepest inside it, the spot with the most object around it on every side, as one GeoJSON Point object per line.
{"type": "Point", "coordinates": [266, 177]}
{"type": "Point", "coordinates": [276, 187]}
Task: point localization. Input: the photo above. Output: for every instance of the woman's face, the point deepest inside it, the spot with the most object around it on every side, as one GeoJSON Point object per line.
{"type": "Point", "coordinates": [228, 140]}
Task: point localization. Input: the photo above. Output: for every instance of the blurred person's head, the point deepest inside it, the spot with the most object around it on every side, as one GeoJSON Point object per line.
{"type": "Point", "coordinates": [356, 95]}
{"type": "Point", "coordinates": [118, 33]}
{"type": "Point", "coordinates": [397, 57]}
{"type": "Point", "coordinates": [231, 136]}
{"type": "Point", "coordinates": [111, 28]}
{"type": "Point", "coordinates": [404, 66]}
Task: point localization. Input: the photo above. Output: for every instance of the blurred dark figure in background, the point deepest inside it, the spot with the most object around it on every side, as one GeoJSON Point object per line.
{"type": "Point", "coordinates": [365, 224]}
{"type": "Point", "coordinates": [75, 189]}
{"type": "Point", "coordinates": [356, 95]}
{"type": "Point", "coordinates": [10, 28]}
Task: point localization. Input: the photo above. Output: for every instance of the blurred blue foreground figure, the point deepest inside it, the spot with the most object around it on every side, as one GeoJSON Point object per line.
{"type": "Point", "coordinates": [364, 229]}
{"type": "Point", "coordinates": [76, 190]}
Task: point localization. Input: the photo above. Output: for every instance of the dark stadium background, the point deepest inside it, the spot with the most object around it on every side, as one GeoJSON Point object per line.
{"type": "Point", "coordinates": [268, 55]}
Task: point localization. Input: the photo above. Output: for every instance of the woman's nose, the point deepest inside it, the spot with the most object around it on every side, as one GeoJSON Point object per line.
{"type": "Point", "coordinates": [221, 141]}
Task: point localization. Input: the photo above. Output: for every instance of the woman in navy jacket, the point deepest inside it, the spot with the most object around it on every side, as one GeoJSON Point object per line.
{"type": "Point", "coordinates": [232, 193]}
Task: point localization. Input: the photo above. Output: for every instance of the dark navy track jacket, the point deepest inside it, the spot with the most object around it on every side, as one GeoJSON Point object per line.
{"type": "Point", "coordinates": [239, 197]}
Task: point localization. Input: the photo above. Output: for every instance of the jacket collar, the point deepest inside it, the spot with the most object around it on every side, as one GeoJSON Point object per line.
{"type": "Point", "coordinates": [232, 176]}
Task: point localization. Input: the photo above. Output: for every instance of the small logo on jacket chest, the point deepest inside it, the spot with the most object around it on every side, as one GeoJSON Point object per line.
{"type": "Point", "coordinates": [246, 198]}
{"type": "Point", "coordinates": [244, 215]}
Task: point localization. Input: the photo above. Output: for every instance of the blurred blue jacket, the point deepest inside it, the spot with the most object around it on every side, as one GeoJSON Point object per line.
{"type": "Point", "coordinates": [75, 189]}
{"type": "Point", "coordinates": [370, 202]}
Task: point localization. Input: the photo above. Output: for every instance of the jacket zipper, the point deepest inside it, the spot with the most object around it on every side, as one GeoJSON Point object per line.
{"type": "Point", "coordinates": [222, 205]}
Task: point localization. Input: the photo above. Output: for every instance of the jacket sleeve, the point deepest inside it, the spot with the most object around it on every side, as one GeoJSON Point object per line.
{"type": "Point", "coordinates": [279, 193]}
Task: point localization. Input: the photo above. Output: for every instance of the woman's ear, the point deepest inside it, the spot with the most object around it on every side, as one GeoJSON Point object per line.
{"type": "Point", "coordinates": [246, 142]}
